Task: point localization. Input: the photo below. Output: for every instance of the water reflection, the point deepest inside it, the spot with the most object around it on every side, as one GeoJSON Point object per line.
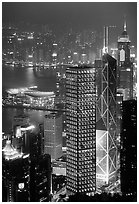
{"type": "Point", "coordinates": [23, 77]}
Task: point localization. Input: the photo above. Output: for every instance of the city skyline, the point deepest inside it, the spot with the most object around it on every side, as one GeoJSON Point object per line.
{"type": "Point", "coordinates": [69, 101]}
{"type": "Point", "coordinates": [76, 15]}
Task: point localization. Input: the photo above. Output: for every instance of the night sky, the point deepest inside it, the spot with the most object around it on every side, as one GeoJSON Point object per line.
{"type": "Point", "coordinates": [79, 15]}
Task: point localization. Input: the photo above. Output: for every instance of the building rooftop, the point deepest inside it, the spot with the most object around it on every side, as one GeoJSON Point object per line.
{"type": "Point", "coordinates": [81, 66]}
{"type": "Point", "coordinates": [10, 152]}
{"type": "Point", "coordinates": [51, 114]}
{"type": "Point", "coordinates": [39, 94]}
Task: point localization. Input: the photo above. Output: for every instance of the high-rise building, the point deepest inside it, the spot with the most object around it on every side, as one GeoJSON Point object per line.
{"type": "Point", "coordinates": [98, 67]}
{"type": "Point", "coordinates": [36, 143]}
{"type": "Point", "coordinates": [81, 129]}
{"type": "Point", "coordinates": [40, 178]}
{"type": "Point", "coordinates": [53, 135]}
{"type": "Point", "coordinates": [54, 53]}
{"type": "Point", "coordinates": [125, 66]}
{"type": "Point", "coordinates": [18, 139]}
{"type": "Point", "coordinates": [15, 175]}
{"type": "Point", "coordinates": [75, 57]}
{"type": "Point", "coordinates": [61, 85]}
{"type": "Point", "coordinates": [119, 99]}
{"type": "Point", "coordinates": [106, 123]}
{"type": "Point", "coordinates": [25, 139]}
{"type": "Point", "coordinates": [129, 147]}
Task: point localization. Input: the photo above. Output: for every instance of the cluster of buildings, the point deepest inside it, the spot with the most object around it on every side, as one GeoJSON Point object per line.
{"type": "Point", "coordinates": [101, 135]}
{"type": "Point", "coordinates": [40, 46]}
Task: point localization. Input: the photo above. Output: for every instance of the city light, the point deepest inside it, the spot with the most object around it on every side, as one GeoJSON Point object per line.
{"type": "Point", "coordinates": [31, 127]}
{"type": "Point", "coordinates": [54, 55]}
{"type": "Point", "coordinates": [69, 102]}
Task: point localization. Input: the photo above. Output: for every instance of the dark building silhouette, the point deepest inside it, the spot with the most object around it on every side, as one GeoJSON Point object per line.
{"type": "Point", "coordinates": [40, 178]}
{"type": "Point", "coordinates": [40, 167]}
{"type": "Point", "coordinates": [125, 66]}
{"type": "Point", "coordinates": [35, 144]}
{"type": "Point", "coordinates": [129, 147]}
{"type": "Point", "coordinates": [15, 175]}
{"type": "Point", "coordinates": [29, 141]}
{"type": "Point", "coordinates": [81, 129]}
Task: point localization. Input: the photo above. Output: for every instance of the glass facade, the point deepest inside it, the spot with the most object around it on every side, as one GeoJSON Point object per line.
{"type": "Point", "coordinates": [53, 135]}
{"type": "Point", "coordinates": [106, 152]}
{"type": "Point", "coordinates": [81, 130]}
{"type": "Point", "coordinates": [40, 179]}
{"type": "Point", "coordinates": [129, 147]}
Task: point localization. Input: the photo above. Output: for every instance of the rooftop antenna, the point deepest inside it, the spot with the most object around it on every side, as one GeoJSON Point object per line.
{"type": "Point", "coordinates": [125, 25]}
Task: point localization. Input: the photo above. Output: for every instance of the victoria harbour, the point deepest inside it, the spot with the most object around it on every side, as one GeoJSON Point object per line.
{"type": "Point", "coordinates": [23, 77]}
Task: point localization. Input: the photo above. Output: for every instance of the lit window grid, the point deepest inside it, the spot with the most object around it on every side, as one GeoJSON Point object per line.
{"type": "Point", "coordinates": [82, 120]}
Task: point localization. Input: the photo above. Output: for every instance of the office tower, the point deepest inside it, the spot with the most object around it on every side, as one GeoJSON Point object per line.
{"type": "Point", "coordinates": [106, 124]}
{"type": "Point", "coordinates": [41, 136]}
{"type": "Point", "coordinates": [36, 143]}
{"type": "Point", "coordinates": [30, 140]}
{"type": "Point", "coordinates": [54, 53]}
{"type": "Point", "coordinates": [75, 57]}
{"type": "Point", "coordinates": [98, 68]}
{"type": "Point", "coordinates": [40, 55]}
{"type": "Point", "coordinates": [61, 91]}
{"type": "Point", "coordinates": [53, 134]}
{"type": "Point", "coordinates": [81, 130]}
{"type": "Point", "coordinates": [40, 178]}
{"type": "Point", "coordinates": [119, 99]}
{"type": "Point", "coordinates": [125, 66]}
{"type": "Point", "coordinates": [15, 175]}
{"type": "Point", "coordinates": [134, 61]}
{"type": "Point", "coordinates": [61, 85]}
{"type": "Point", "coordinates": [27, 131]}
{"type": "Point", "coordinates": [129, 147]}
{"type": "Point", "coordinates": [18, 122]}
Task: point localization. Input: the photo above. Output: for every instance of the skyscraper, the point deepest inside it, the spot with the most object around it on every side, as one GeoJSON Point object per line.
{"type": "Point", "coordinates": [106, 124]}
{"type": "Point", "coordinates": [23, 131]}
{"type": "Point", "coordinates": [61, 85]}
{"type": "Point", "coordinates": [129, 147]}
{"type": "Point", "coordinates": [125, 66]}
{"type": "Point", "coordinates": [15, 175]}
{"type": "Point", "coordinates": [40, 178]}
{"type": "Point", "coordinates": [81, 130]}
{"type": "Point", "coordinates": [53, 135]}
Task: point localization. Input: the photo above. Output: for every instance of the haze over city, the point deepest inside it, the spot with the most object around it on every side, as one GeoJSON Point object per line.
{"type": "Point", "coordinates": [79, 15]}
